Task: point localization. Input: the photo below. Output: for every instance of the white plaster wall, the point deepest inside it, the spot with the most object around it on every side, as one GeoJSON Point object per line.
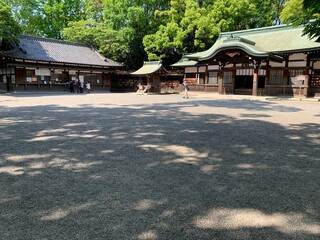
{"type": "Point", "coordinates": [297, 64]}
{"type": "Point", "coordinates": [202, 69]}
{"type": "Point", "coordinates": [316, 65]}
{"type": "Point", "coordinates": [190, 70]}
{"type": "Point", "coordinates": [276, 64]}
{"type": "Point", "coordinates": [297, 56]}
{"type": "Point", "coordinates": [213, 67]}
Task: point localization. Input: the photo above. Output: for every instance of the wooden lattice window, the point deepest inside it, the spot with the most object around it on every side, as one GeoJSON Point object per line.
{"type": "Point", "coordinates": [228, 77]}
{"type": "Point", "coordinates": [213, 78]}
{"type": "Point", "coordinates": [294, 73]}
{"type": "Point", "coordinates": [276, 76]}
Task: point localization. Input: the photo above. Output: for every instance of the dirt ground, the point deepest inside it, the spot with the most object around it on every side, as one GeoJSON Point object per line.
{"type": "Point", "coordinates": [126, 166]}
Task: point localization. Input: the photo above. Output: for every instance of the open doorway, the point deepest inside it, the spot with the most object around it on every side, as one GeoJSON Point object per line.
{"type": "Point", "coordinates": [243, 85]}
{"type": "Point", "coordinates": [244, 82]}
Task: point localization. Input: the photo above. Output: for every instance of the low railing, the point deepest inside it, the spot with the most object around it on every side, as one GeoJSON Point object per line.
{"type": "Point", "coordinates": [286, 90]}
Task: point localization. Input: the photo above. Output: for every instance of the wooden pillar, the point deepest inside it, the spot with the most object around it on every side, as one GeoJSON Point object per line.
{"type": "Point", "coordinates": [220, 81]}
{"type": "Point", "coordinates": [267, 79]}
{"type": "Point", "coordinates": [286, 76]}
{"type": "Point", "coordinates": [255, 78]}
{"type": "Point", "coordinates": [206, 78]}
{"type": "Point", "coordinates": [307, 74]}
{"type": "Point", "coordinates": [255, 82]}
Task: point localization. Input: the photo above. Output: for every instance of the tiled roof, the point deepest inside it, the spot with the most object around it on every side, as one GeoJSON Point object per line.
{"type": "Point", "coordinates": [278, 39]}
{"type": "Point", "coordinates": [184, 62]}
{"type": "Point", "coordinates": [148, 68]}
{"type": "Point", "coordinates": [260, 41]}
{"type": "Point", "coordinates": [50, 50]}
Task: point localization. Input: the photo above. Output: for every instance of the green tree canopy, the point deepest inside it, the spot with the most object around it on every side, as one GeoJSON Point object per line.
{"type": "Point", "coordinates": [46, 17]}
{"type": "Point", "coordinates": [116, 28]}
{"type": "Point", "coordinates": [8, 27]}
{"type": "Point", "coordinates": [192, 25]}
{"type": "Point", "coordinates": [303, 12]}
{"type": "Point", "coordinates": [132, 31]}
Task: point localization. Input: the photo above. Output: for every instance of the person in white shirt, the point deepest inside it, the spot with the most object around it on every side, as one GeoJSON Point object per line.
{"type": "Point", "coordinates": [186, 89]}
{"type": "Point", "coordinates": [88, 86]}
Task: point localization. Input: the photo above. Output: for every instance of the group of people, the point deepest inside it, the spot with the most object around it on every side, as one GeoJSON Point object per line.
{"type": "Point", "coordinates": [80, 86]}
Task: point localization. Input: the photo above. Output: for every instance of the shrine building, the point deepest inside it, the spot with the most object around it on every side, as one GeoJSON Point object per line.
{"type": "Point", "coordinates": [277, 60]}
{"type": "Point", "coordinates": [42, 64]}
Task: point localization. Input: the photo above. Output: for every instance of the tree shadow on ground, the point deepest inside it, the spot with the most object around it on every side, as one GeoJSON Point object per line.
{"type": "Point", "coordinates": [157, 172]}
{"type": "Point", "coordinates": [257, 106]}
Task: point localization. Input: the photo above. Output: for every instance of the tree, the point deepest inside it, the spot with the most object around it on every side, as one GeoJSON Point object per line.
{"type": "Point", "coordinates": [93, 10]}
{"type": "Point", "coordinates": [267, 12]}
{"type": "Point", "coordinates": [107, 41]}
{"type": "Point", "coordinates": [186, 28]}
{"type": "Point", "coordinates": [312, 8]}
{"type": "Point", "coordinates": [46, 17]}
{"type": "Point", "coordinates": [233, 15]}
{"type": "Point", "coordinates": [116, 28]}
{"type": "Point", "coordinates": [303, 12]}
{"type": "Point", "coordinates": [133, 31]}
{"type": "Point", "coordinates": [8, 27]}
{"type": "Point", "coordinates": [133, 20]}
{"type": "Point", "coordinates": [193, 25]}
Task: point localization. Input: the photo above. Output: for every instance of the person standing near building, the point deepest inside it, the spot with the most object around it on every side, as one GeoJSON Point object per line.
{"type": "Point", "coordinates": [186, 89]}
{"type": "Point", "coordinates": [78, 86]}
{"type": "Point", "coordinates": [81, 87]}
{"type": "Point", "coordinates": [71, 87]}
{"type": "Point", "coordinates": [88, 86]}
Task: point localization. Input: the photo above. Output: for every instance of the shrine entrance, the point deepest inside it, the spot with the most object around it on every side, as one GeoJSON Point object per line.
{"type": "Point", "coordinates": [244, 81]}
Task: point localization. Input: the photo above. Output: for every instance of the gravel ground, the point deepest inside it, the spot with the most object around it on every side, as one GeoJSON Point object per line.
{"type": "Point", "coordinates": [126, 166]}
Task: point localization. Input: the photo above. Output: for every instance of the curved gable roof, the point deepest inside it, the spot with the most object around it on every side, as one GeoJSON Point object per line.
{"type": "Point", "coordinates": [249, 49]}
{"type": "Point", "coordinates": [279, 39]}
{"type": "Point", "coordinates": [149, 68]}
{"type": "Point", "coordinates": [184, 62]}
{"type": "Point", "coordinates": [267, 41]}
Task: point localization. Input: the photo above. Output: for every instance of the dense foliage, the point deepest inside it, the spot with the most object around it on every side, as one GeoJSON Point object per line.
{"type": "Point", "coordinates": [133, 31]}
{"type": "Point", "coordinates": [304, 12]}
{"type": "Point", "coordinates": [8, 27]}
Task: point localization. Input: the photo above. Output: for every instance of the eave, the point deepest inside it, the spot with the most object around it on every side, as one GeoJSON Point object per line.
{"type": "Point", "coordinates": [253, 52]}
{"type": "Point", "coordinates": [53, 64]}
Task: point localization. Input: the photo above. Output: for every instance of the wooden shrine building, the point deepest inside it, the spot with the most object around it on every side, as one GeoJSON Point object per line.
{"type": "Point", "coordinates": [41, 64]}
{"type": "Point", "coordinates": [275, 60]}
{"type": "Point", "coordinates": [155, 78]}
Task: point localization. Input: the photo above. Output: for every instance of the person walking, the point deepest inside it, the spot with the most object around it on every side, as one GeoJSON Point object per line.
{"type": "Point", "coordinates": [88, 86]}
{"type": "Point", "coordinates": [186, 89]}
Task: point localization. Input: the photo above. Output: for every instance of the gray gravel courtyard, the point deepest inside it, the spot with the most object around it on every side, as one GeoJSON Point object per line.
{"type": "Point", "coordinates": [126, 166]}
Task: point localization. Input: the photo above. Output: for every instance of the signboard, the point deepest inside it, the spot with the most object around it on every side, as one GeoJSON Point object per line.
{"type": "Point", "coordinates": [42, 72]}
{"type": "Point", "coordinates": [298, 80]}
